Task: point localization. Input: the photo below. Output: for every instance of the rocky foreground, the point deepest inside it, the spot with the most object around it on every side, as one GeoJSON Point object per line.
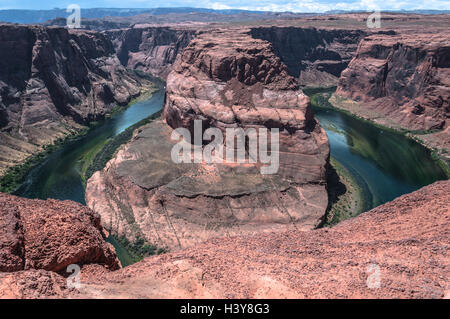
{"type": "Point", "coordinates": [405, 242]}
{"type": "Point", "coordinates": [40, 239]}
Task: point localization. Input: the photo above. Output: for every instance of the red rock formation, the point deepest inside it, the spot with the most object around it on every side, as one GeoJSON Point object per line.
{"type": "Point", "coordinates": [12, 240]}
{"type": "Point", "coordinates": [401, 80]}
{"type": "Point", "coordinates": [404, 241]}
{"type": "Point", "coordinates": [52, 81]}
{"type": "Point", "coordinates": [50, 235]}
{"type": "Point", "coordinates": [226, 79]}
{"type": "Point", "coordinates": [150, 49]}
{"type": "Point", "coordinates": [34, 284]}
{"type": "Point", "coordinates": [316, 56]}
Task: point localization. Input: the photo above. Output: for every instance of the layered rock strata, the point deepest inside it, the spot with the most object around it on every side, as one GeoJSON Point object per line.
{"type": "Point", "coordinates": [316, 56]}
{"type": "Point", "coordinates": [397, 250]}
{"type": "Point", "coordinates": [54, 81]}
{"type": "Point", "coordinates": [225, 79]}
{"type": "Point", "coordinates": [401, 80]}
{"type": "Point", "coordinates": [150, 49]}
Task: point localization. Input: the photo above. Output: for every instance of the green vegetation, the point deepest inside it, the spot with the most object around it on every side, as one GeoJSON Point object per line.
{"type": "Point", "coordinates": [96, 159]}
{"type": "Point", "coordinates": [313, 91]}
{"type": "Point", "coordinates": [442, 160]}
{"type": "Point", "coordinates": [15, 176]}
{"type": "Point", "coordinates": [320, 99]}
{"type": "Point", "coordinates": [132, 252]}
{"type": "Point", "coordinates": [346, 199]}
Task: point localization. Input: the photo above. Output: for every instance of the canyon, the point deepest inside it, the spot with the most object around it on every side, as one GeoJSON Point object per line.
{"type": "Point", "coordinates": [401, 81]}
{"type": "Point", "coordinates": [231, 232]}
{"type": "Point", "coordinates": [53, 83]}
{"type": "Point", "coordinates": [234, 82]}
{"type": "Point", "coordinates": [150, 49]}
{"type": "Point", "coordinates": [247, 78]}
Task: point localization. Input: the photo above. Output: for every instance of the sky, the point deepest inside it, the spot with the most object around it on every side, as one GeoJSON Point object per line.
{"type": "Point", "coordinates": [263, 5]}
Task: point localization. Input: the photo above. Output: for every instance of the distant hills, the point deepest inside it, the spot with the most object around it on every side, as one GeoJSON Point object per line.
{"type": "Point", "coordinates": [40, 16]}
{"type": "Point", "coordinates": [419, 11]}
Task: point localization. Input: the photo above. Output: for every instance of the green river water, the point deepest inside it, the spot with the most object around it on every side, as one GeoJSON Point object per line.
{"type": "Point", "coordinates": [385, 164]}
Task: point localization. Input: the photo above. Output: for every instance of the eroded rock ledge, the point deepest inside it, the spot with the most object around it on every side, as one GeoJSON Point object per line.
{"type": "Point", "coordinates": [40, 239]}
{"type": "Point", "coordinates": [226, 79]}
{"type": "Point", "coordinates": [50, 235]}
{"type": "Point", "coordinates": [406, 238]}
{"type": "Point", "coordinates": [53, 81]}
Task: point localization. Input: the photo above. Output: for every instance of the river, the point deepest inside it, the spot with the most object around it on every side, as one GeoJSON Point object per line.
{"type": "Point", "coordinates": [385, 164]}
{"type": "Point", "coordinates": [59, 176]}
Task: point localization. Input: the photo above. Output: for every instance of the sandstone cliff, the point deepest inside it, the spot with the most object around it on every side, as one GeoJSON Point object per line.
{"type": "Point", "coordinates": [226, 79]}
{"type": "Point", "coordinates": [150, 49]}
{"type": "Point", "coordinates": [53, 81]}
{"type": "Point", "coordinates": [401, 80]}
{"type": "Point", "coordinates": [316, 56]}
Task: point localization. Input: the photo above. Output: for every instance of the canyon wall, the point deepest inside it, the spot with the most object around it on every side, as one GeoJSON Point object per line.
{"type": "Point", "coordinates": [53, 81]}
{"type": "Point", "coordinates": [225, 79]}
{"type": "Point", "coordinates": [316, 56]}
{"type": "Point", "coordinates": [150, 49]}
{"type": "Point", "coordinates": [400, 80]}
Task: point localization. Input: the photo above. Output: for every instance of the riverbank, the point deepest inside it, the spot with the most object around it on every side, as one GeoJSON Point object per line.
{"type": "Point", "coordinates": [346, 199]}
{"type": "Point", "coordinates": [99, 156]}
{"type": "Point", "coordinates": [91, 161]}
{"type": "Point", "coordinates": [369, 164]}
{"type": "Point", "coordinates": [132, 252]}
{"type": "Point", "coordinates": [15, 176]}
{"type": "Point", "coordinates": [431, 140]}
{"type": "Point", "coordinates": [326, 98]}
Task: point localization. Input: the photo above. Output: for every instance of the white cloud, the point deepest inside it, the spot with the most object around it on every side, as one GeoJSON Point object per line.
{"type": "Point", "coordinates": [219, 6]}
{"type": "Point", "coordinates": [264, 5]}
